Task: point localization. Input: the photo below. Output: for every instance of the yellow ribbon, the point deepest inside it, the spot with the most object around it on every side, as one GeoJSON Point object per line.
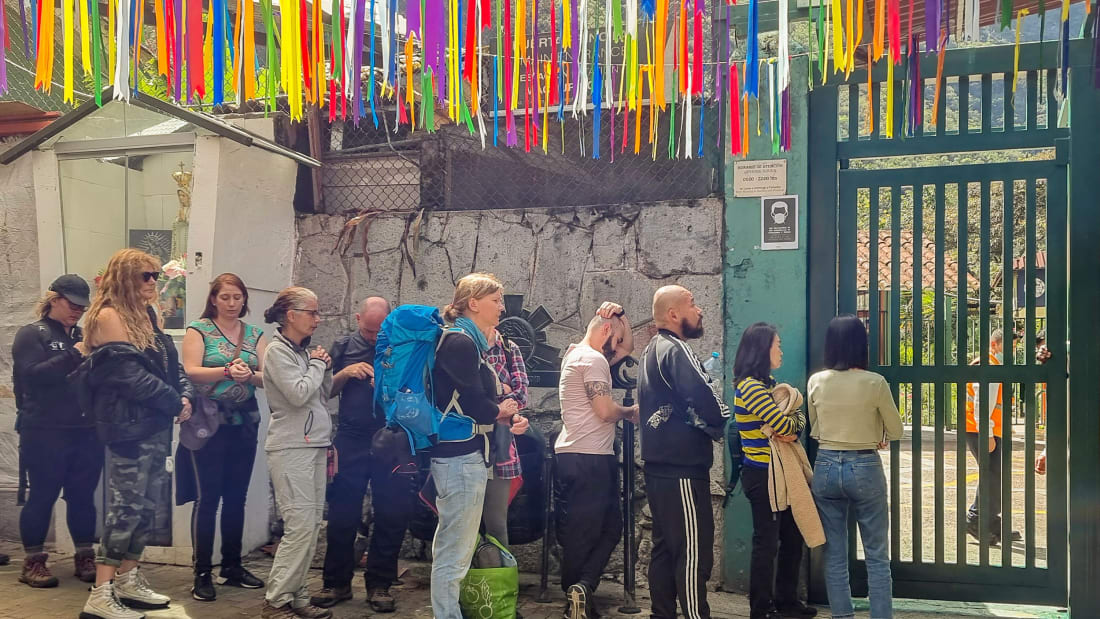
{"type": "Point", "coordinates": [67, 7]}
{"type": "Point", "coordinates": [1016, 62]}
{"type": "Point", "coordinates": [291, 69]}
{"type": "Point", "coordinates": [849, 34]}
{"type": "Point", "coordinates": [838, 37]}
{"type": "Point", "coordinates": [889, 98]}
{"type": "Point", "coordinates": [870, 98]}
{"type": "Point", "coordinates": [110, 40]}
{"type": "Point", "coordinates": [566, 26]}
{"type": "Point", "coordinates": [546, 109]}
{"type": "Point", "coordinates": [162, 40]}
{"type": "Point", "coordinates": [85, 40]}
{"type": "Point", "coordinates": [409, 91]}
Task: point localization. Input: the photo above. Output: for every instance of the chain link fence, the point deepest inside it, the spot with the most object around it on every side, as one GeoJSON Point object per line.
{"type": "Point", "coordinates": [375, 168]}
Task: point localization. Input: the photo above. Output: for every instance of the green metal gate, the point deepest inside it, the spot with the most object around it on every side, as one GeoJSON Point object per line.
{"type": "Point", "coordinates": [938, 240]}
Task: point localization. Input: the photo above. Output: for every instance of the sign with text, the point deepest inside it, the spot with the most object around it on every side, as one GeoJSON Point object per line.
{"type": "Point", "coordinates": [779, 222]}
{"type": "Point", "coordinates": [756, 179]}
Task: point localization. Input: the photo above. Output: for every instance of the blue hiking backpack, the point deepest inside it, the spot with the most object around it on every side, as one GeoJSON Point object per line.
{"type": "Point", "coordinates": [403, 363]}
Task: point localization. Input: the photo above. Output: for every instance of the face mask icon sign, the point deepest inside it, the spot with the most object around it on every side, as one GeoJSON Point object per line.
{"type": "Point", "coordinates": [779, 212]}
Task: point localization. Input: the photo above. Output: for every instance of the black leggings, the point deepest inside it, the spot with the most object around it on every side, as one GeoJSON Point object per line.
{"type": "Point", "coordinates": [56, 460]}
{"type": "Point", "coordinates": [772, 534]}
{"type": "Point", "coordinates": [223, 469]}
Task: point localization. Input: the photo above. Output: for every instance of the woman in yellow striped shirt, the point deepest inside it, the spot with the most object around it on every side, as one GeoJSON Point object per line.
{"type": "Point", "coordinates": [773, 534]}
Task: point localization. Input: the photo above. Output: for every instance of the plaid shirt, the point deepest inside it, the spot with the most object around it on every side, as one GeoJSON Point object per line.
{"type": "Point", "coordinates": [516, 378]}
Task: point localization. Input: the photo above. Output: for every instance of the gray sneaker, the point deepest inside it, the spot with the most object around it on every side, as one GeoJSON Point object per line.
{"type": "Point", "coordinates": [309, 611]}
{"type": "Point", "coordinates": [104, 604]}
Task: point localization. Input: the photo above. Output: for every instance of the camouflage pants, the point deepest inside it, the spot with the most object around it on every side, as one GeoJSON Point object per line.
{"type": "Point", "coordinates": [136, 481]}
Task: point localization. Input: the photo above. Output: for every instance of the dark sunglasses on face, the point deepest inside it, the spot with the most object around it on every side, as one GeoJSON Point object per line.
{"type": "Point", "coordinates": [74, 307]}
{"type": "Point", "coordinates": [150, 275]}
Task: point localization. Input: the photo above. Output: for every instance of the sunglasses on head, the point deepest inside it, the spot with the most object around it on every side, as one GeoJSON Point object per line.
{"type": "Point", "coordinates": [150, 275]}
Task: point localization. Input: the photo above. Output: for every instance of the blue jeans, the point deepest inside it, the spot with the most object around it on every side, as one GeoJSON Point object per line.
{"type": "Point", "coordinates": [854, 479]}
{"type": "Point", "coordinates": [460, 494]}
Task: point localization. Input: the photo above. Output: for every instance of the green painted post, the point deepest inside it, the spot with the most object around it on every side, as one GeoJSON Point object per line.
{"type": "Point", "coordinates": [765, 286]}
{"type": "Point", "coordinates": [1084, 355]}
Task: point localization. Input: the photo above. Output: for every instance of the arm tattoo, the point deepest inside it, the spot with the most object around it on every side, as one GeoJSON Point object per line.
{"type": "Point", "coordinates": [596, 389]}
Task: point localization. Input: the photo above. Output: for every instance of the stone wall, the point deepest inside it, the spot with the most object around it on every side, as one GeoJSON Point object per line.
{"type": "Point", "coordinates": [566, 260]}
{"type": "Point", "coordinates": [19, 290]}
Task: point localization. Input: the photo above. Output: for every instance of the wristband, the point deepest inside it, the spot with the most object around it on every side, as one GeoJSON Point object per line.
{"type": "Point", "coordinates": [225, 370]}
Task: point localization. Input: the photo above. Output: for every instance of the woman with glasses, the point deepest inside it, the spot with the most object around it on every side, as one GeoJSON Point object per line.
{"type": "Point", "coordinates": [57, 447]}
{"type": "Point", "coordinates": [297, 380]}
{"type": "Point", "coordinates": [222, 355]}
{"type": "Point", "coordinates": [133, 386]}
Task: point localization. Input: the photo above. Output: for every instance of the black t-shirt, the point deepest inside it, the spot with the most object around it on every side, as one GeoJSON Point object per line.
{"type": "Point", "coordinates": [458, 367]}
{"type": "Point", "coordinates": [357, 418]}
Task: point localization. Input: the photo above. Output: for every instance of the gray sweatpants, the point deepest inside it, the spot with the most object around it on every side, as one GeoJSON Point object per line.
{"type": "Point", "coordinates": [299, 479]}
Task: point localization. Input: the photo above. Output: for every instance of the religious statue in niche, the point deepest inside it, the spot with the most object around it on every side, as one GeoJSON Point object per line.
{"type": "Point", "coordinates": [174, 275]}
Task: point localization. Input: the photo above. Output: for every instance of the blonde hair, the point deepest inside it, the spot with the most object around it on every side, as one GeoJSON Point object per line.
{"type": "Point", "coordinates": [45, 305]}
{"type": "Point", "coordinates": [473, 286]}
{"type": "Point", "coordinates": [288, 299]}
{"type": "Point", "coordinates": [120, 290]}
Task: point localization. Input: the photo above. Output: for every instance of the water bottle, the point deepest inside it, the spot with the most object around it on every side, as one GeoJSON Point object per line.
{"type": "Point", "coordinates": [713, 366]}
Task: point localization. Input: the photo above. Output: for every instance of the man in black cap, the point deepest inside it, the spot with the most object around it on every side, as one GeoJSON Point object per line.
{"type": "Point", "coordinates": [58, 447]}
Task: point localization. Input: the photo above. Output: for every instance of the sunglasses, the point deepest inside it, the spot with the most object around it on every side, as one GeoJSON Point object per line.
{"type": "Point", "coordinates": [150, 275]}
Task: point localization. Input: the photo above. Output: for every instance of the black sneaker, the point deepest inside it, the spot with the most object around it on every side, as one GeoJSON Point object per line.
{"type": "Point", "coordinates": [237, 576]}
{"type": "Point", "coordinates": [972, 528]}
{"type": "Point", "coordinates": [203, 589]}
{"type": "Point", "coordinates": [328, 597]}
{"type": "Point", "coordinates": [797, 610]}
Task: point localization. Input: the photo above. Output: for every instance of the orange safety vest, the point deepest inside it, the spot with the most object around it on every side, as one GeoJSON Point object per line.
{"type": "Point", "coordinates": [972, 401]}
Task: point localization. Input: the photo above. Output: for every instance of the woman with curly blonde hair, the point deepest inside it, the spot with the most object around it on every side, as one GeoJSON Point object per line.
{"type": "Point", "coordinates": [133, 386]}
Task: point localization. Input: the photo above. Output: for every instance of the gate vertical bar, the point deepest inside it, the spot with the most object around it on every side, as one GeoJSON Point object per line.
{"type": "Point", "coordinates": [983, 404]}
{"type": "Point", "coordinates": [1029, 434]}
{"type": "Point", "coordinates": [895, 356]}
{"type": "Point", "coordinates": [1058, 411]}
{"type": "Point", "coordinates": [821, 210]}
{"type": "Point", "coordinates": [1008, 194]}
{"type": "Point", "coordinates": [874, 320]}
{"type": "Point", "coordinates": [939, 360]}
{"type": "Point", "coordinates": [961, 359]}
{"type": "Point", "coordinates": [917, 404]}
{"type": "Point", "coordinates": [1084, 298]}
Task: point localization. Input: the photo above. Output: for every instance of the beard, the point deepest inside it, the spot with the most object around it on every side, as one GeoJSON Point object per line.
{"type": "Point", "coordinates": [608, 350]}
{"type": "Point", "coordinates": [690, 331]}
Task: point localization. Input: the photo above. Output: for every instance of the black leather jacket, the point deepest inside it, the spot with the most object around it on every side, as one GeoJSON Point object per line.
{"type": "Point", "coordinates": [130, 397]}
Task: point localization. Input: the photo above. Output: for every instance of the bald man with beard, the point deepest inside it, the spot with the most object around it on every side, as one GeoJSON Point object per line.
{"type": "Point", "coordinates": [392, 495]}
{"type": "Point", "coordinates": [681, 414]}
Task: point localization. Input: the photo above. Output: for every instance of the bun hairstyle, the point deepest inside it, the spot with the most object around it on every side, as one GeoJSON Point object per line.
{"type": "Point", "coordinates": [473, 286]}
{"type": "Point", "coordinates": [288, 299]}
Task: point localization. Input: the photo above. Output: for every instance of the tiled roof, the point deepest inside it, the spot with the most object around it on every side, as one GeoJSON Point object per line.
{"type": "Point", "coordinates": [928, 260]}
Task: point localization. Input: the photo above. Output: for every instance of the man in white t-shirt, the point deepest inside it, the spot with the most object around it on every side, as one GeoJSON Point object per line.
{"type": "Point", "coordinates": [587, 479]}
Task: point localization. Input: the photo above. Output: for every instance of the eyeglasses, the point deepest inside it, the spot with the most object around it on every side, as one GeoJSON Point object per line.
{"type": "Point", "coordinates": [150, 275]}
{"type": "Point", "coordinates": [308, 311]}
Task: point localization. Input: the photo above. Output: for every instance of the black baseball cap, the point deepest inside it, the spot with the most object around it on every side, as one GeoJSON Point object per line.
{"type": "Point", "coordinates": [73, 288]}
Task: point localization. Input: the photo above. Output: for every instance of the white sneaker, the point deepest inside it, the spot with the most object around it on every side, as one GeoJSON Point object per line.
{"type": "Point", "coordinates": [134, 591]}
{"type": "Point", "coordinates": [104, 604]}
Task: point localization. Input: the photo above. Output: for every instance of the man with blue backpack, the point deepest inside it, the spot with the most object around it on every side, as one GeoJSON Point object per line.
{"type": "Point", "coordinates": [392, 494]}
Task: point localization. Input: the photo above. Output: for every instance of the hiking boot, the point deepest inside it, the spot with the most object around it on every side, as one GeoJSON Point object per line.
{"type": "Point", "coordinates": [331, 596]}
{"type": "Point", "coordinates": [203, 589]}
{"type": "Point", "coordinates": [797, 610]}
{"type": "Point", "coordinates": [277, 612]}
{"type": "Point", "coordinates": [237, 576]}
{"type": "Point", "coordinates": [84, 565]}
{"type": "Point", "coordinates": [381, 601]}
{"type": "Point", "coordinates": [4, 559]}
{"type": "Point", "coordinates": [133, 590]}
{"type": "Point", "coordinates": [578, 601]}
{"type": "Point", "coordinates": [309, 611]}
{"type": "Point", "coordinates": [35, 573]}
{"type": "Point", "coordinates": [104, 604]}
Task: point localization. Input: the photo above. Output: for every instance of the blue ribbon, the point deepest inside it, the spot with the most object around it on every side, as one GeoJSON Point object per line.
{"type": "Point", "coordinates": [597, 100]}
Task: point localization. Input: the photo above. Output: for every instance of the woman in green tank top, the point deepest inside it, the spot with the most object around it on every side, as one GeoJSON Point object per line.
{"type": "Point", "coordinates": [223, 356]}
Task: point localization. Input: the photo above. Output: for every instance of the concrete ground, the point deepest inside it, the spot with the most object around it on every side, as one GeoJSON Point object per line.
{"type": "Point", "coordinates": [17, 601]}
